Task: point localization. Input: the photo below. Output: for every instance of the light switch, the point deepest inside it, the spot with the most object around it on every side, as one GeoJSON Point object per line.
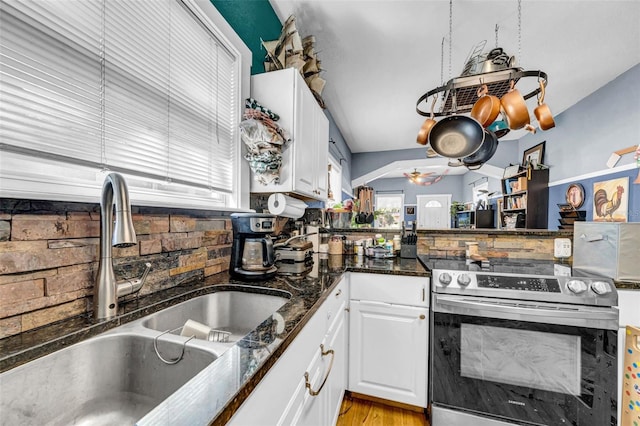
{"type": "Point", "coordinates": [562, 248]}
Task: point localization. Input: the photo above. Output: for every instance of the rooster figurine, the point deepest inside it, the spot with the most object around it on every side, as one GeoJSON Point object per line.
{"type": "Point", "coordinates": [604, 206]}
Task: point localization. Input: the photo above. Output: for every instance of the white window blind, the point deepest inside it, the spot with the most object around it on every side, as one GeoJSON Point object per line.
{"type": "Point", "coordinates": [141, 87]}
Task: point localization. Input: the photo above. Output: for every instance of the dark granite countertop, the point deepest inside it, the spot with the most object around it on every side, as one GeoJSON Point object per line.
{"type": "Point", "coordinates": [465, 231]}
{"type": "Point", "coordinates": [217, 392]}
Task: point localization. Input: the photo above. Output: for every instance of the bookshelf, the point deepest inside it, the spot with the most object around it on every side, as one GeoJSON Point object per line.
{"type": "Point", "coordinates": [525, 199]}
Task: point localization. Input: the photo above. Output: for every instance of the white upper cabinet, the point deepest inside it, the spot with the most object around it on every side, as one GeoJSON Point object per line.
{"type": "Point", "coordinates": [304, 160]}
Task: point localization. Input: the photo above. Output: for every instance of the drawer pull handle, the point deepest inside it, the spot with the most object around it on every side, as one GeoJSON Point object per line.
{"type": "Point", "coordinates": [307, 384]}
{"type": "Point", "coordinates": [339, 292]}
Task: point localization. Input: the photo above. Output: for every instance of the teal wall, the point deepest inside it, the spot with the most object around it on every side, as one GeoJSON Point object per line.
{"type": "Point", "coordinates": [251, 20]}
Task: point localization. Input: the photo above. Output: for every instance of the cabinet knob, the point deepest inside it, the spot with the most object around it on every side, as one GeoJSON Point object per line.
{"type": "Point", "coordinates": [422, 316]}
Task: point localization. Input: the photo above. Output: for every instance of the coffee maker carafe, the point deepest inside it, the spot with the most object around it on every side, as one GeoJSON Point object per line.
{"type": "Point", "coordinates": [252, 254]}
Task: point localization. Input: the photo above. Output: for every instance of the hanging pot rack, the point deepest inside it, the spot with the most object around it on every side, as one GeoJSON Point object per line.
{"type": "Point", "coordinates": [460, 93]}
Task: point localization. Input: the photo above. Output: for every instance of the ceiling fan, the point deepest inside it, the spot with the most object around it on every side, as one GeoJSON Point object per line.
{"type": "Point", "coordinates": [415, 175]}
{"type": "Point", "coordinates": [424, 178]}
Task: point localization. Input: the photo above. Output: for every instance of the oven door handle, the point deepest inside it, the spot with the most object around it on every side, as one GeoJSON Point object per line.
{"type": "Point", "coordinates": [574, 315]}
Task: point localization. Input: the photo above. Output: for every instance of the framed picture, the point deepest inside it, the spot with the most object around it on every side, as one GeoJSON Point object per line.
{"type": "Point", "coordinates": [511, 171]}
{"type": "Point", "coordinates": [575, 195]}
{"type": "Point", "coordinates": [611, 200]}
{"type": "Point", "coordinates": [410, 210]}
{"type": "Point", "coordinates": [533, 156]}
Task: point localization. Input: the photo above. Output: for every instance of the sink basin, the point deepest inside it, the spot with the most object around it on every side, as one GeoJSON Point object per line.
{"type": "Point", "coordinates": [106, 380]}
{"type": "Point", "coordinates": [234, 312]}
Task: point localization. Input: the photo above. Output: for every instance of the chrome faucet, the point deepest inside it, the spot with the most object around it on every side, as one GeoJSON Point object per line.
{"type": "Point", "coordinates": [107, 290]}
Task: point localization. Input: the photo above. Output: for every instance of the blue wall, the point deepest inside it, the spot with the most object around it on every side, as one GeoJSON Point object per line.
{"type": "Point", "coordinates": [587, 133]}
{"type": "Point", "coordinates": [557, 196]}
{"type": "Point", "coordinates": [584, 138]}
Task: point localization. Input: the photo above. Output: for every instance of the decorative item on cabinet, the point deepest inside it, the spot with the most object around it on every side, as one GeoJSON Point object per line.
{"type": "Point", "coordinates": [265, 141]}
{"type": "Point", "coordinates": [292, 51]}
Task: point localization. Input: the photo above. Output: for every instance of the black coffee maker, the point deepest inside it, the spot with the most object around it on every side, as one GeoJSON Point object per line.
{"type": "Point", "coordinates": [252, 254]}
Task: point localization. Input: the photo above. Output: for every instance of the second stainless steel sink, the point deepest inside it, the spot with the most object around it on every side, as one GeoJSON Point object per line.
{"type": "Point", "coordinates": [231, 311]}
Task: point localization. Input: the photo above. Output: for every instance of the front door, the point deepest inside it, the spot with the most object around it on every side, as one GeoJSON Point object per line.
{"type": "Point", "coordinates": [434, 211]}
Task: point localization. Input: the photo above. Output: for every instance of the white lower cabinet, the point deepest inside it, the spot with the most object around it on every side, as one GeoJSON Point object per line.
{"type": "Point", "coordinates": [388, 342]}
{"type": "Point", "coordinates": [307, 383]}
{"type": "Point", "coordinates": [379, 349]}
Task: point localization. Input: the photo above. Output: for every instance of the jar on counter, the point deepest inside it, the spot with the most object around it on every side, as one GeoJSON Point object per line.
{"type": "Point", "coordinates": [389, 247]}
{"type": "Point", "coordinates": [397, 243]}
{"type": "Point", "coordinates": [348, 247]}
{"type": "Point", "coordinates": [335, 244]}
{"type": "Point", "coordinates": [359, 248]}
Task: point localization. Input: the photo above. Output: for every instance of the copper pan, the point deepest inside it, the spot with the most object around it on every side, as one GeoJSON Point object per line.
{"type": "Point", "coordinates": [486, 108]}
{"type": "Point", "coordinates": [425, 129]}
{"type": "Point", "coordinates": [543, 112]}
{"type": "Point", "coordinates": [514, 109]}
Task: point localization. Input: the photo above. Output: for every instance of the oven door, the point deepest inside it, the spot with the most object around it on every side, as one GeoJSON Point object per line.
{"type": "Point", "coordinates": [530, 363]}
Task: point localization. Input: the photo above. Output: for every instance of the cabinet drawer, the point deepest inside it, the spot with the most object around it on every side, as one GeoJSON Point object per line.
{"type": "Point", "coordinates": [396, 289]}
{"type": "Point", "coordinates": [335, 303]}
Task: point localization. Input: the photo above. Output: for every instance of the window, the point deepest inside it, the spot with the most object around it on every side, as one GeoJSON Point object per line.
{"type": "Point", "coordinates": [389, 212]}
{"type": "Point", "coordinates": [149, 88]}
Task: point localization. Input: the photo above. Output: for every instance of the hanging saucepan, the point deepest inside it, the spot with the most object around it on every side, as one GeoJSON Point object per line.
{"type": "Point", "coordinates": [423, 134]}
{"type": "Point", "coordinates": [499, 127]}
{"type": "Point", "coordinates": [543, 112]}
{"type": "Point", "coordinates": [486, 108]}
{"type": "Point", "coordinates": [488, 149]}
{"type": "Point", "coordinates": [514, 110]}
{"type": "Point", "coordinates": [456, 136]}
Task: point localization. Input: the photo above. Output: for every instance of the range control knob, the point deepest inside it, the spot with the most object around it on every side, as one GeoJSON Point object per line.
{"type": "Point", "coordinates": [600, 287]}
{"type": "Point", "coordinates": [464, 279]}
{"type": "Point", "coordinates": [445, 278]}
{"type": "Point", "coordinates": [577, 286]}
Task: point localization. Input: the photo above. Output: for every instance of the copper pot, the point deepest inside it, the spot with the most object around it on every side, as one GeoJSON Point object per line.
{"type": "Point", "coordinates": [486, 108]}
{"type": "Point", "coordinates": [543, 112]}
{"type": "Point", "coordinates": [425, 129]}
{"type": "Point", "coordinates": [514, 109]}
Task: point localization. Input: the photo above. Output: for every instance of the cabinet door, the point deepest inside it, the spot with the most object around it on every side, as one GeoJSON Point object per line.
{"type": "Point", "coordinates": [388, 351]}
{"type": "Point", "coordinates": [305, 159]}
{"type": "Point", "coordinates": [322, 155]}
{"type": "Point", "coordinates": [337, 381]}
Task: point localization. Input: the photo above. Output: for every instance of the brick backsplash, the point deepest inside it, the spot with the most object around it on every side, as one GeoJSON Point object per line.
{"type": "Point", "coordinates": [49, 255]}
{"type": "Point", "coordinates": [492, 244]}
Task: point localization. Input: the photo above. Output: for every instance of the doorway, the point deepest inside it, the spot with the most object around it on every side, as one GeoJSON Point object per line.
{"type": "Point", "coordinates": [434, 211]}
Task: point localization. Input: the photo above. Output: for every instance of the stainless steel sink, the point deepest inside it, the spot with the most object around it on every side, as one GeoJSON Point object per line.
{"type": "Point", "coordinates": [234, 312]}
{"type": "Point", "coordinates": [109, 379]}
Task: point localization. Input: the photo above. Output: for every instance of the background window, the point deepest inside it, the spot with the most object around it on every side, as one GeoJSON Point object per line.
{"type": "Point", "coordinates": [389, 210]}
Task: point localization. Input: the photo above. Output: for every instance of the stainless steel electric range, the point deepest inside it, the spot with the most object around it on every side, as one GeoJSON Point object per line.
{"type": "Point", "coordinates": [512, 343]}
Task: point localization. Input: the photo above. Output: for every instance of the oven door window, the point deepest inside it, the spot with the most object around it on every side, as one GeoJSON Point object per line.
{"type": "Point", "coordinates": [531, 373]}
{"type": "Point", "coordinates": [546, 361]}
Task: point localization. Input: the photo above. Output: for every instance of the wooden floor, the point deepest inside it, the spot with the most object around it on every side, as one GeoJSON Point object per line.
{"type": "Point", "coordinates": [355, 411]}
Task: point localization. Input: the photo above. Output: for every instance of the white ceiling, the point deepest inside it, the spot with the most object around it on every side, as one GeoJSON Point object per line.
{"type": "Point", "coordinates": [380, 56]}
